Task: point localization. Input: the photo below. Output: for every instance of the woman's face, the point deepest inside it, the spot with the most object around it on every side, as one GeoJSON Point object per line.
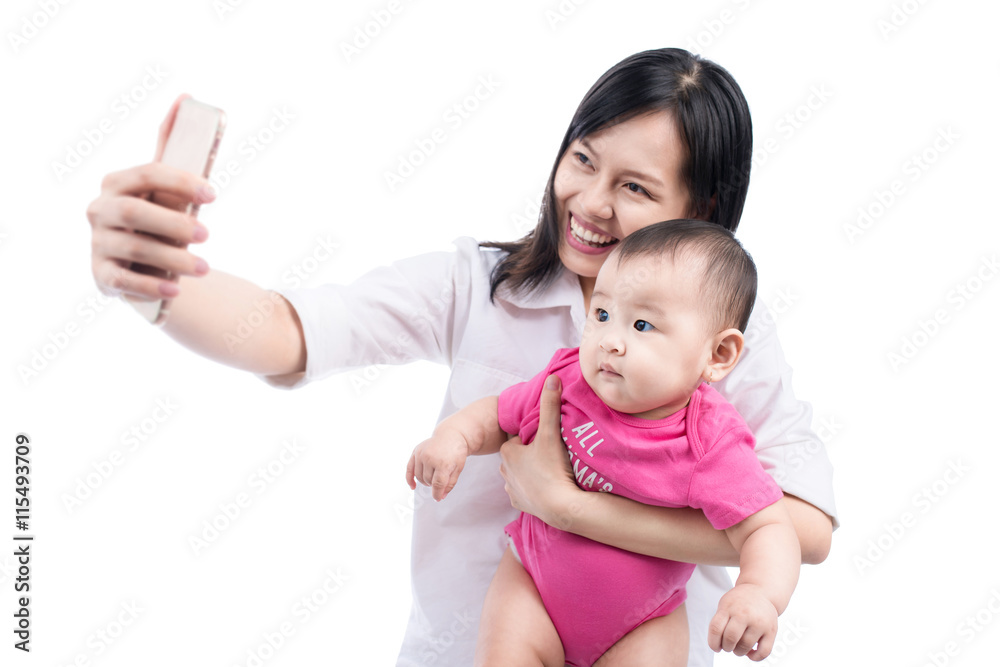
{"type": "Point", "coordinates": [613, 182]}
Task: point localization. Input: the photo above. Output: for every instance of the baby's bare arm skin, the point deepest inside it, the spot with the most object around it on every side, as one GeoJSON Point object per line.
{"type": "Point", "coordinates": [769, 569]}
{"type": "Point", "coordinates": [438, 461]}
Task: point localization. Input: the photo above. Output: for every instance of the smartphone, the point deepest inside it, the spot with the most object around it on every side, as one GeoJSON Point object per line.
{"type": "Point", "coordinates": [191, 146]}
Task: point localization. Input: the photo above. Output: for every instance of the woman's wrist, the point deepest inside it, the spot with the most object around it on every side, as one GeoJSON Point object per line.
{"type": "Point", "coordinates": [675, 533]}
{"type": "Point", "coordinates": [561, 505]}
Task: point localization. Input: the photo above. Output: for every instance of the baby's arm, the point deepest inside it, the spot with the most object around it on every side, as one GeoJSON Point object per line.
{"type": "Point", "coordinates": [769, 569]}
{"type": "Point", "coordinates": [437, 461]}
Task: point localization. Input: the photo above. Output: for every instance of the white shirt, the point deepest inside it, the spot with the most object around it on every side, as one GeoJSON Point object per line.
{"type": "Point", "coordinates": [436, 307]}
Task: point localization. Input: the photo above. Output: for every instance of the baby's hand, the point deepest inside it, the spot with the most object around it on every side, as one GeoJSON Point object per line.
{"type": "Point", "coordinates": [437, 462]}
{"type": "Point", "coordinates": [745, 617]}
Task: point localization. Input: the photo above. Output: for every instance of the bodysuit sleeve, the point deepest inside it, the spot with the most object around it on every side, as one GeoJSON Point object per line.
{"type": "Point", "coordinates": [517, 406]}
{"type": "Point", "coordinates": [729, 483]}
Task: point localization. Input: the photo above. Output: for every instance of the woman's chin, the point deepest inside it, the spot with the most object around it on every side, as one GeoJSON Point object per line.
{"type": "Point", "coordinates": [583, 265]}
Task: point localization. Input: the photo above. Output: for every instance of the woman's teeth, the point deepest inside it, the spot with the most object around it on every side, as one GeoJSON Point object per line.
{"type": "Point", "coordinates": [589, 237]}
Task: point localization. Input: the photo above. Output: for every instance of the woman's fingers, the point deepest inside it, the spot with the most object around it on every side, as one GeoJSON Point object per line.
{"type": "Point", "coordinates": [114, 279]}
{"type": "Point", "coordinates": [537, 475]}
{"type": "Point", "coordinates": [115, 217]}
{"type": "Point", "coordinates": [507, 451]}
{"type": "Point", "coordinates": [143, 249]}
{"type": "Point", "coordinates": [124, 209]}
{"type": "Point", "coordinates": [145, 179]}
{"type": "Point", "coordinates": [134, 214]}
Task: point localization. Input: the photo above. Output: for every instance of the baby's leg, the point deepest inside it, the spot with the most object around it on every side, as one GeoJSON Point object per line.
{"type": "Point", "coordinates": [515, 629]}
{"type": "Point", "coordinates": [659, 642]}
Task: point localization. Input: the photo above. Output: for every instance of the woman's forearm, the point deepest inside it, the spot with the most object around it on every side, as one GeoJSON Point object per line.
{"type": "Point", "coordinates": [541, 482]}
{"type": "Point", "coordinates": [682, 534]}
{"type": "Point", "coordinates": [813, 528]}
{"type": "Point", "coordinates": [212, 317]}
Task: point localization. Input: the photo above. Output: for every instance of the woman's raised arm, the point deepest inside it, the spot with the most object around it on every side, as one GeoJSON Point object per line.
{"type": "Point", "coordinates": [209, 310]}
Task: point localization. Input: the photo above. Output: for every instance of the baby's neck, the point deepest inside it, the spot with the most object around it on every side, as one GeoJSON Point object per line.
{"type": "Point", "coordinates": [663, 411]}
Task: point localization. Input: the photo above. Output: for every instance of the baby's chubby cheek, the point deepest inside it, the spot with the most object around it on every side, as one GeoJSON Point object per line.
{"type": "Point", "coordinates": [588, 330]}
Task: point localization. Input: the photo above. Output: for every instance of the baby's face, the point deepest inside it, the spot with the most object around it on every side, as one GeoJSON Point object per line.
{"type": "Point", "coordinates": [647, 342]}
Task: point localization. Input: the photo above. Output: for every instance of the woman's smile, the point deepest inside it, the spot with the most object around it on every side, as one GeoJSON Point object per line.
{"type": "Point", "coordinates": [615, 181]}
{"type": "Point", "coordinates": [587, 238]}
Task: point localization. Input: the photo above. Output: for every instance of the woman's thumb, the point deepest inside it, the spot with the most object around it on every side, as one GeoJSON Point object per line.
{"type": "Point", "coordinates": [550, 404]}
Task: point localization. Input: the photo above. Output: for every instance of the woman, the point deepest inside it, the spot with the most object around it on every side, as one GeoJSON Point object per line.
{"type": "Point", "coordinates": [662, 135]}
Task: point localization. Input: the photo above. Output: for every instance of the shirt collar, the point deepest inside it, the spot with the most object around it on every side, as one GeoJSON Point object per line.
{"type": "Point", "coordinates": [563, 291]}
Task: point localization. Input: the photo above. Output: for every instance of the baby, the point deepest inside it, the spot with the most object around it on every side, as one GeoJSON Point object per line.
{"type": "Point", "coordinates": [639, 419]}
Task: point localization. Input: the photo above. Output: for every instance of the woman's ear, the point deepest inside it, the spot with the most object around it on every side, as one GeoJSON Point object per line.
{"type": "Point", "coordinates": [711, 207]}
{"type": "Point", "coordinates": [707, 215]}
{"type": "Point", "coordinates": [727, 346]}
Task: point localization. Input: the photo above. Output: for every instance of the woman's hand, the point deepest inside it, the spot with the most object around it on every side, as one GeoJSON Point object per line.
{"type": "Point", "coordinates": [123, 208]}
{"type": "Point", "coordinates": [539, 478]}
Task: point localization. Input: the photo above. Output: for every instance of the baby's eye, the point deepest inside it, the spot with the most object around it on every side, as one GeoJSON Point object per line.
{"type": "Point", "coordinates": [643, 325]}
{"type": "Point", "coordinates": [601, 314]}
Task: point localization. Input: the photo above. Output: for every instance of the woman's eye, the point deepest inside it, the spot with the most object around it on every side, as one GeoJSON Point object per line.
{"type": "Point", "coordinates": [602, 315]}
{"type": "Point", "coordinates": [636, 188]}
{"type": "Point", "coordinates": [583, 158]}
{"type": "Point", "coordinates": [643, 325]}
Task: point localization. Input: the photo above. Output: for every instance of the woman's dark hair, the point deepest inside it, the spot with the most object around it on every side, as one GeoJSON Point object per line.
{"type": "Point", "coordinates": [728, 279]}
{"type": "Point", "coordinates": [712, 117]}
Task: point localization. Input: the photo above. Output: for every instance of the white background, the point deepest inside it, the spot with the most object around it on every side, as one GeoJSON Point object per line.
{"type": "Point", "coordinates": [877, 100]}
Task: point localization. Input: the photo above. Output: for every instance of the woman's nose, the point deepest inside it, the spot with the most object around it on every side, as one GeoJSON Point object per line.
{"type": "Point", "coordinates": [595, 200]}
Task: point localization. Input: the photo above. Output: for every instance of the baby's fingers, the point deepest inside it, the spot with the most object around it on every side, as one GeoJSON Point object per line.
{"type": "Point", "coordinates": [440, 485]}
{"type": "Point", "coordinates": [409, 472]}
{"type": "Point", "coordinates": [444, 480]}
{"type": "Point", "coordinates": [745, 642]}
{"type": "Point", "coordinates": [764, 646]}
{"type": "Point", "coordinates": [730, 635]}
{"type": "Point", "coordinates": [715, 630]}
{"type": "Point", "coordinates": [726, 632]}
{"type": "Point", "coordinates": [419, 470]}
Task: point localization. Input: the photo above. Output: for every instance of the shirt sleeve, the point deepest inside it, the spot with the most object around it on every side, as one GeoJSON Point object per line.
{"type": "Point", "coordinates": [760, 388]}
{"type": "Point", "coordinates": [519, 401]}
{"type": "Point", "coordinates": [394, 314]}
{"type": "Point", "coordinates": [729, 483]}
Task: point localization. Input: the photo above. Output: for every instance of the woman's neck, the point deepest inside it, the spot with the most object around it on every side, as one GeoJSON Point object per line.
{"type": "Point", "coordinates": [587, 285]}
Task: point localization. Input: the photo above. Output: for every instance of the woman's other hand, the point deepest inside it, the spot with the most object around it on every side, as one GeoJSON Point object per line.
{"type": "Point", "coordinates": [539, 479]}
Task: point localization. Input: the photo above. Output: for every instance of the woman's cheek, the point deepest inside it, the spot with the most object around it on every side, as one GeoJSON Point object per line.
{"type": "Point", "coordinates": [633, 217]}
{"type": "Point", "coordinates": [569, 179]}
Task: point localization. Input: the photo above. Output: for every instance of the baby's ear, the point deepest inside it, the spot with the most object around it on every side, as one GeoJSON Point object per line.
{"type": "Point", "coordinates": [727, 346]}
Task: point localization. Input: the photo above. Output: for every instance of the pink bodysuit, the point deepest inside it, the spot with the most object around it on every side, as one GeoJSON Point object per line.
{"type": "Point", "coordinates": [701, 456]}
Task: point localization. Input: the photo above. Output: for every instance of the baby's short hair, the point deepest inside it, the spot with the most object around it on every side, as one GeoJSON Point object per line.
{"type": "Point", "coordinates": [729, 276]}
